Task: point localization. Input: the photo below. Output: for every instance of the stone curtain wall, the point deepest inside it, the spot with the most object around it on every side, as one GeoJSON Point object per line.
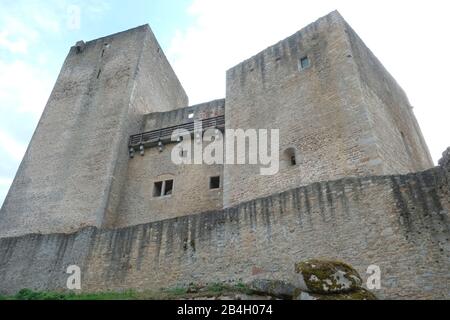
{"type": "Point", "coordinates": [400, 223]}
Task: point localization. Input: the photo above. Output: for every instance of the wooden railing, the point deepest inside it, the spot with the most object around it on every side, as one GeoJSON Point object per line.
{"type": "Point", "coordinates": [154, 137]}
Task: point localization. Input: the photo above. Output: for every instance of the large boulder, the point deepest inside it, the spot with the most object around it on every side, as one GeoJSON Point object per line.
{"type": "Point", "coordinates": [275, 288]}
{"type": "Point", "coordinates": [326, 277]}
{"type": "Point", "coordinates": [360, 294]}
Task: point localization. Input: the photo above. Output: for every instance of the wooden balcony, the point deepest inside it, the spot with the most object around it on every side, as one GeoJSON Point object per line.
{"type": "Point", "coordinates": [163, 136]}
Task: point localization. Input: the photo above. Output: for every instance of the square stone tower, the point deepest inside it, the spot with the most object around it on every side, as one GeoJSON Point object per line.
{"type": "Point", "coordinates": [75, 166]}
{"type": "Point", "coordinates": [340, 113]}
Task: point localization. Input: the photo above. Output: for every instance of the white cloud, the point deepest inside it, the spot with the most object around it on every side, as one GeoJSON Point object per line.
{"type": "Point", "coordinates": [407, 36]}
{"type": "Point", "coordinates": [15, 36]}
{"type": "Point", "coordinates": [11, 146]}
{"type": "Point", "coordinates": [15, 46]}
{"type": "Point", "coordinates": [23, 87]}
{"type": "Point", "coordinates": [5, 182]}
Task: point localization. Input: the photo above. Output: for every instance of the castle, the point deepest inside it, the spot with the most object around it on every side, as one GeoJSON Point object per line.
{"type": "Point", "coordinates": [97, 187]}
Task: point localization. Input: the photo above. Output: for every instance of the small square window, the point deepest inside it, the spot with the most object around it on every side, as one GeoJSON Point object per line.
{"type": "Point", "coordinates": [304, 63]}
{"type": "Point", "coordinates": [168, 187]}
{"type": "Point", "coordinates": [214, 182]}
{"type": "Point", "coordinates": [157, 189]}
{"type": "Point", "coordinates": [190, 115]}
{"type": "Point", "coordinates": [163, 188]}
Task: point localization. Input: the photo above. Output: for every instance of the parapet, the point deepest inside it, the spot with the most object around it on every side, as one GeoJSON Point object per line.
{"type": "Point", "coordinates": [159, 120]}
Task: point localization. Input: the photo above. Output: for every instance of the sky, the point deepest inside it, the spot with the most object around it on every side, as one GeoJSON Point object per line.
{"type": "Point", "coordinates": [204, 38]}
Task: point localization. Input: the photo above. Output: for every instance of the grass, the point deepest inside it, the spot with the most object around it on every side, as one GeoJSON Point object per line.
{"type": "Point", "coordinates": [211, 290]}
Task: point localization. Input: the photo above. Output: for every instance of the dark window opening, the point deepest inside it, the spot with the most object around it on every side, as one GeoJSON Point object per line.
{"type": "Point", "coordinates": [289, 158]}
{"type": "Point", "coordinates": [99, 73]}
{"type": "Point", "coordinates": [157, 189]}
{"type": "Point", "coordinates": [163, 188]}
{"type": "Point", "coordinates": [214, 182]}
{"type": "Point", "coordinates": [304, 63]}
{"type": "Point", "coordinates": [293, 161]}
{"type": "Point", "coordinates": [168, 188]}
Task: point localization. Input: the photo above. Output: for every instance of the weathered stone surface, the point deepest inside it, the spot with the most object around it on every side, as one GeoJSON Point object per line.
{"type": "Point", "coordinates": [326, 276]}
{"type": "Point", "coordinates": [75, 166]}
{"type": "Point", "coordinates": [345, 115]}
{"type": "Point", "coordinates": [395, 222]}
{"type": "Point", "coordinates": [277, 288]}
{"type": "Point", "coordinates": [445, 160]}
{"type": "Point", "coordinates": [360, 294]}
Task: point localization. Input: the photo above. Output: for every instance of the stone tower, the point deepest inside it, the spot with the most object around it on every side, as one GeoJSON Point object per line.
{"type": "Point", "coordinates": [75, 165]}
{"type": "Point", "coordinates": [340, 113]}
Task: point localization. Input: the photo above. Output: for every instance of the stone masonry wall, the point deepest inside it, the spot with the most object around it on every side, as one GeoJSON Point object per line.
{"type": "Point", "coordinates": [191, 193]}
{"type": "Point", "coordinates": [159, 120]}
{"type": "Point", "coordinates": [72, 173]}
{"type": "Point", "coordinates": [318, 111]}
{"type": "Point", "coordinates": [402, 147]}
{"type": "Point", "coordinates": [344, 115]}
{"type": "Point", "coordinates": [400, 223]}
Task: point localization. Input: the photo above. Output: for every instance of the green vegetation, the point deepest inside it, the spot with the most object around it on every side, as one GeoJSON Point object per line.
{"type": "Point", "coordinates": [190, 292]}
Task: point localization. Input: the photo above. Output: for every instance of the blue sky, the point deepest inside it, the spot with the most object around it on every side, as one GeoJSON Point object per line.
{"type": "Point", "coordinates": [202, 39]}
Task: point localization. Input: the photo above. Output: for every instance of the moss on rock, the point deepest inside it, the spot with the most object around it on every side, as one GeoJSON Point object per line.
{"type": "Point", "coordinates": [327, 277]}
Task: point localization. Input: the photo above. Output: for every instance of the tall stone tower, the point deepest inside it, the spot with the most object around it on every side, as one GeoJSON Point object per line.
{"type": "Point", "coordinates": [72, 173]}
{"type": "Point", "coordinates": [340, 113]}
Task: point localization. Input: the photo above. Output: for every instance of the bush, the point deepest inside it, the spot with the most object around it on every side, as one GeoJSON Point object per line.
{"type": "Point", "coordinates": [27, 294]}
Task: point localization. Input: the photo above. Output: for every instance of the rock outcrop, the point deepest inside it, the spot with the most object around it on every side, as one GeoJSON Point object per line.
{"type": "Point", "coordinates": [329, 280]}
{"type": "Point", "coordinates": [316, 280]}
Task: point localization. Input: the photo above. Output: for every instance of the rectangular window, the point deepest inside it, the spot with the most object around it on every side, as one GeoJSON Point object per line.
{"type": "Point", "coordinates": [168, 187]}
{"type": "Point", "coordinates": [214, 182]}
{"type": "Point", "coordinates": [304, 63]}
{"type": "Point", "coordinates": [157, 189]}
{"type": "Point", "coordinates": [190, 115]}
{"type": "Point", "coordinates": [163, 188]}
